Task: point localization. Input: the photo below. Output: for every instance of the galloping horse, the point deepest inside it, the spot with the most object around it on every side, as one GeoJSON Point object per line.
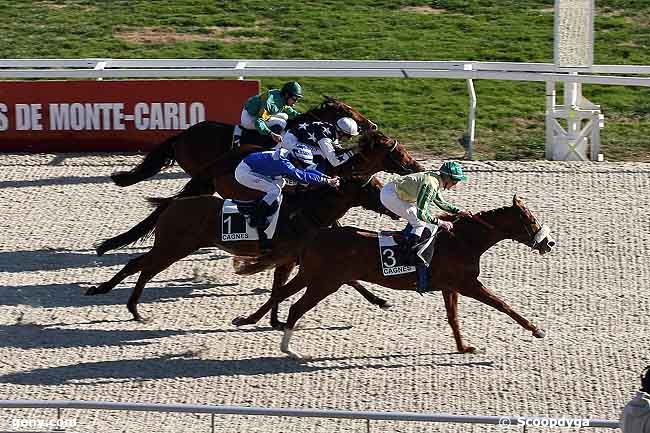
{"type": "Point", "coordinates": [198, 146]}
{"type": "Point", "coordinates": [375, 152]}
{"type": "Point", "coordinates": [191, 223]}
{"type": "Point", "coordinates": [454, 268]}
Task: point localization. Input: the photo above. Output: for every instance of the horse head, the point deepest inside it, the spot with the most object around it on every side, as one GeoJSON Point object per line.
{"type": "Point", "coordinates": [365, 191]}
{"type": "Point", "coordinates": [527, 229]}
{"type": "Point", "coordinates": [333, 109]}
{"type": "Point", "coordinates": [378, 152]}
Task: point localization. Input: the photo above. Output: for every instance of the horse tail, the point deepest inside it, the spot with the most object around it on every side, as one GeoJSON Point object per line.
{"type": "Point", "coordinates": [250, 265]}
{"type": "Point", "coordinates": [156, 160]}
{"type": "Point", "coordinates": [144, 229]}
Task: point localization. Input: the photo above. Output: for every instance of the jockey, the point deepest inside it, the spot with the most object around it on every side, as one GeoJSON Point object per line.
{"type": "Point", "coordinates": [415, 197]}
{"type": "Point", "coordinates": [265, 171]}
{"type": "Point", "coordinates": [266, 114]}
{"type": "Point", "coordinates": [323, 138]}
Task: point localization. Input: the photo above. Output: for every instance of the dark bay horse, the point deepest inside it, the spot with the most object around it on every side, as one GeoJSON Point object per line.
{"type": "Point", "coordinates": [454, 269]}
{"type": "Point", "coordinates": [201, 144]}
{"type": "Point", "coordinates": [188, 224]}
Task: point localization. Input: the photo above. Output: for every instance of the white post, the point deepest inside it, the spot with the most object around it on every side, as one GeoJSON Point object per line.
{"type": "Point", "coordinates": [468, 139]}
{"type": "Point", "coordinates": [573, 48]}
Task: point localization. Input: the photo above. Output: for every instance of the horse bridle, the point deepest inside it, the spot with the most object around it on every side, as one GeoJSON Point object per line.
{"type": "Point", "coordinates": [535, 237]}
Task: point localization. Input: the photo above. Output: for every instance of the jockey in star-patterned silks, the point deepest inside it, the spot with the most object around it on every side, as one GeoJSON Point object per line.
{"type": "Point", "coordinates": [323, 138]}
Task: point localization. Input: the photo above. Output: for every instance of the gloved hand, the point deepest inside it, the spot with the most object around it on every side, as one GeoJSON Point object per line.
{"type": "Point", "coordinates": [446, 225]}
{"type": "Point", "coordinates": [276, 137]}
{"type": "Point", "coordinates": [334, 182]}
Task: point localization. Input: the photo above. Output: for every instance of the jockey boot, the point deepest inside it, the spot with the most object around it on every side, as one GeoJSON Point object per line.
{"type": "Point", "coordinates": [265, 243]}
{"type": "Point", "coordinates": [422, 271]}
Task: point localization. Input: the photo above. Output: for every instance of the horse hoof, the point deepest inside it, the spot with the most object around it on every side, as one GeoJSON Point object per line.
{"type": "Point", "coordinates": [239, 321]}
{"type": "Point", "coordinates": [138, 318]}
{"type": "Point", "coordinates": [278, 326]}
{"type": "Point", "coordinates": [469, 349]}
{"type": "Point", "coordinates": [540, 333]}
{"type": "Point", "coordinates": [96, 290]}
{"type": "Point", "coordinates": [386, 306]}
{"type": "Point", "coordinates": [297, 356]}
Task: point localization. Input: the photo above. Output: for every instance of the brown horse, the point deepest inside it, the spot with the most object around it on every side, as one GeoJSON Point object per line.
{"type": "Point", "coordinates": [454, 268]}
{"type": "Point", "coordinates": [191, 223]}
{"type": "Point", "coordinates": [198, 146]}
{"type": "Point", "coordinates": [375, 152]}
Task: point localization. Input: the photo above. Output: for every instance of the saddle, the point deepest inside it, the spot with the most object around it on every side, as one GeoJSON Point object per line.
{"type": "Point", "coordinates": [251, 136]}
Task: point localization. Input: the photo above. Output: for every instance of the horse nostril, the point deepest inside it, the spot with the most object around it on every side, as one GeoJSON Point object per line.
{"type": "Point", "coordinates": [373, 126]}
{"type": "Point", "coordinates": [551, 244]}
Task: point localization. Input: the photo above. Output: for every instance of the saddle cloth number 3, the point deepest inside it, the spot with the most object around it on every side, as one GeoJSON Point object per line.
{"type": "Point", "coordinates": [392, 261]}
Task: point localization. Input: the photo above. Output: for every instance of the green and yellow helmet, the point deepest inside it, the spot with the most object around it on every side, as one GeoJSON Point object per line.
{"type": "Point", "coordinates": [453, 170]}
{"type": "Point", "coordinates": [292, 88]}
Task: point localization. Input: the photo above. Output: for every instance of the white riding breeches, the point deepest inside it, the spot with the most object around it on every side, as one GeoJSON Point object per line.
{"type": "Point", "coordinates": [408, 211]}
{"type": "Point", "coordinates": [248, 121]}
{"type": "Point", "coordinates": [271, 186]}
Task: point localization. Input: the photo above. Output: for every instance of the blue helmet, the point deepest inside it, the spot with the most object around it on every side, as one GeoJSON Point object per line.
{"type": "Point", "coordinates": [303, 154]}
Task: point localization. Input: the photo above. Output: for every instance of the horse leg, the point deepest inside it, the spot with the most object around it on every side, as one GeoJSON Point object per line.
{"type": "Point", "coordinates": [154, 262]}
{"type": "Point", "coordinates": [370, 297]}
{"type": "Point", "coordinates": [282, 293]}
{"type": "Point", "coordinates": [280, 277]}
{"type": "Point", "coordinates": [451, 305]}
{"type": "Point", "coordinates": [314, 294]}
{"type": "Point", "coordinates": [131, 268]}
{"type": "Point", "coordinates": [483, 294]}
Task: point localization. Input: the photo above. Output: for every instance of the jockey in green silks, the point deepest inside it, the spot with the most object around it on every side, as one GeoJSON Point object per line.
{"type": "Point", "coordinates": [268, 112]}
{"type": "Point", "coordinates": [416, 197]}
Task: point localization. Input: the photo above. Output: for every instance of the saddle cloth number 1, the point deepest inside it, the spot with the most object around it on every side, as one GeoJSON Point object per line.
{"type": "Point", "coordinates": [234, 226]}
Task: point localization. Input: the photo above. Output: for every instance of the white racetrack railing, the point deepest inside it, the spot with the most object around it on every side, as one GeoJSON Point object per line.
{"type": "Point", "coordinates": [514, 421]}
{"type": "Point", "coordinates": [204, 68]}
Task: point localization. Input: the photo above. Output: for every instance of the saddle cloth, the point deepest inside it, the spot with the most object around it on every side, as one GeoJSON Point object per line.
{"type": "Point", "coordinates": [395, 260]}
{"type": "Point", "coordinates": [235, 226]}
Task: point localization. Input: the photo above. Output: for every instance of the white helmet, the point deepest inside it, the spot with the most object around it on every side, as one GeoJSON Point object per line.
{"type": "Point", "coordinates": [348, 126]}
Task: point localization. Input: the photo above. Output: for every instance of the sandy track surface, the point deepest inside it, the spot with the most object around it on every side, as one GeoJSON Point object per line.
{"type": "Point", "coordinates": [590, 294]}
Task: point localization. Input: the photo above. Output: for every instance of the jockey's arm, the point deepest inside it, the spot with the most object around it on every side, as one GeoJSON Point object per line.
{"type": "Point", "coordinates": [425, 198]}
{"type": "Point", "coordinates": [291, 112]}
{"type": "Point", "coordinates": [307, 177]}
{"type": "Point", "coordinates": [261, 126]}
{"type": "Point", "coordinates": [327, 147]}
{"type": "Point", "coordinates": [444, 205]}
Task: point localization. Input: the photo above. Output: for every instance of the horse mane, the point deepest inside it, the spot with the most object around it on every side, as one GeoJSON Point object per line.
{"type": "Point", "coordinates": [314, 111]}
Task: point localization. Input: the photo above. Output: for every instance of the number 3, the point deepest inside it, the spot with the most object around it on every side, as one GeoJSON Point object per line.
{"type": "Point", "coordinates": [390, 255]}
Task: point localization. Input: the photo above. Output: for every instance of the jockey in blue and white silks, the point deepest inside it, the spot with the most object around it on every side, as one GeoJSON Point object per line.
{"type": "Point", "coordinates": [323, 138]}
{"type": "Point", "coordinates": [266, 171]}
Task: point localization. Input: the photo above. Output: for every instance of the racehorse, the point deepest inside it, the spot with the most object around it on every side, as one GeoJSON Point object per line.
{"type": "Point", "coordinates": [203, 143]}
{"type": "Point", "coordinates": [454, 268]}
{"type": "Point", "coordinates": [188, 224]}
{"type": "Point", "coordinates": [375, 152]}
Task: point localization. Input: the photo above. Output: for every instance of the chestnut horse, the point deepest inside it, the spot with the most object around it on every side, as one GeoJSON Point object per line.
{"type": "Point", "coordinates": [203, 143]}
{"type": "Point", "coordinates": [454, 269]}
{"type": "Point", "coordinates": [188, 224]}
